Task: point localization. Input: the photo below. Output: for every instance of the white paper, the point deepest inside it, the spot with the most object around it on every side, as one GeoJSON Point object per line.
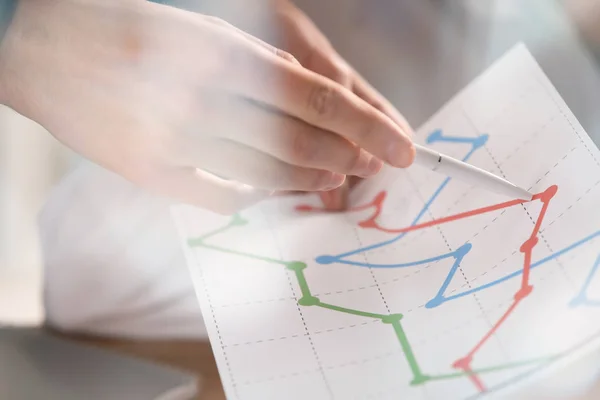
{"type": "Point", "coordinates": [309, 305]}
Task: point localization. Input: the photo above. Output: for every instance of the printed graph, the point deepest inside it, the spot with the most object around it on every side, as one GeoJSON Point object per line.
{"type": "Point", "coordinates": [433, 288]}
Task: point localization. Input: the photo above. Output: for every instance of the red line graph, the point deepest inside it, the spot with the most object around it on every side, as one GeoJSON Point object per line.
{"type": "Point", "coordinates": [372, 222]}
{"type": "Point", "coordinates": [526, 248]}
{"type": "Point", "coordinates": [377, 202]}
{"type": "Point", "coordinates": [524, 291]}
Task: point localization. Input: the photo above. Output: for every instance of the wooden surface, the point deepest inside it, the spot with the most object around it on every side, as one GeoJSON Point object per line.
{"type": "Point", "coordinates": [191, 356]}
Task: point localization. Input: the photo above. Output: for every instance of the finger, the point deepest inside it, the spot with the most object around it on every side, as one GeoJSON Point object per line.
{"type": "Point", "coordinates": [244, 164]}
{"type": "Point", "coordinates": [272, 49]}
{"type": "Point", "coordinates": [368, 93]}
{"type": "Point", "coordinates": [336, 199]}
{"type": "Point", "coordinates": [330, 65]}
{"type": "Point", "coordinates": [289, 139]}
{"type": "Point", "coordinates": [204, 190]}
{"type": "Point", "coordinates": [321, 102]}
{"type": "Point", "coordinates": [338, 70]}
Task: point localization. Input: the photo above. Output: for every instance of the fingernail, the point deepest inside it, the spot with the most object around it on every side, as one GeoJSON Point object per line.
{"type": "Point", "coordinates": [325, 178]}
{"type": "Point", "coordinates": [400, 154]}
{"type": "Point", "coordinates": [336, 181]}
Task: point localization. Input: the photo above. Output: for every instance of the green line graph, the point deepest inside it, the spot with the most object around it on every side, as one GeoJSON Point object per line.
{"type": "Point", "coordinates": [309, 300]}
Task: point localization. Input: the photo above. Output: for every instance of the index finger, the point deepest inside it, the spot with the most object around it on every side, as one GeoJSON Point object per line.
{"type": "Point", "coordinates": [321, 102]}
{"type": "Point", "coordinates": [368, 93]}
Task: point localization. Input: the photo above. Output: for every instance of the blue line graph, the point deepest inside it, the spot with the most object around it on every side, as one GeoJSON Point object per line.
{"type": "Point", "coordinates": [437, 136]}
{"type": "Point", "coordinates": [440, 299]}
{"type": "Point", "coordinates": [582, 299]}
{"type": "Point", "coordinates": [457, 254]}
{"type": "Point", "coordinates": [460, 253]}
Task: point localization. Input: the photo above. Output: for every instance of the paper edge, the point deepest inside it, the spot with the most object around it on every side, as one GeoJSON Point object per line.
{"type": "Point", "coordinates": [510, 386]}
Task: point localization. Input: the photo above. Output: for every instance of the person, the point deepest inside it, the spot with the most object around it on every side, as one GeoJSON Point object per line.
{"type": "Point", "coordinates": [149, 91]}
{"type": "Point", "coordinates": [170, 105]}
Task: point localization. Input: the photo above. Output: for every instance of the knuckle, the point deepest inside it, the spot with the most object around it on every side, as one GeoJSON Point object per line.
{"type": "Point", "coordinates": [341, 73]}
{"type": "Point", "coordinates": [354, 159]}
{"type": "Point", "coordinates": [323, 101]}
{"type": "Point", "coordinates": [285, 55]}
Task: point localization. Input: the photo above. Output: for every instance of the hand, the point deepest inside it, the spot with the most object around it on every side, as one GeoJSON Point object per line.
{"type": "Point", "coordinates": [298, 35]}
{"type": "Point", "coordinates": [175, 101]}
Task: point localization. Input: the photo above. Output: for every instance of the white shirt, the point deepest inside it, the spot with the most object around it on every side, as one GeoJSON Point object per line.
{"type": "Point", "coordinates": [113, 264]}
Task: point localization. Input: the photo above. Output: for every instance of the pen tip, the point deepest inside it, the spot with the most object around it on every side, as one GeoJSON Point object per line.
{"type": "Point", "coordinates": [525, 195]}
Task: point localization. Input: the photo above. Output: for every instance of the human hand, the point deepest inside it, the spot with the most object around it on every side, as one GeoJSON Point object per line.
{"type": "Point", "coordinates": [171, 99]}
{"type": "Point", "coordinates": [290, 29]}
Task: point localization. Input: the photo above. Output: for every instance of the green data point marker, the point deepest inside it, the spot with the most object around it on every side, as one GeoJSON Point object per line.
{"type": "Point", "coordinates": [309, 301]}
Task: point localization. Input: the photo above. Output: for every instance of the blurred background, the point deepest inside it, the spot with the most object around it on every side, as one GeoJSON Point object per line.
{"type": "Point", "coordinates": [31, 163]}
{"type": "Point", "coordinates": [419, 53]}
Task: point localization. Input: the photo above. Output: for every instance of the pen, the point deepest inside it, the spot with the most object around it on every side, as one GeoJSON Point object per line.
{"type": "Point", "coordinates": [468, 173]}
